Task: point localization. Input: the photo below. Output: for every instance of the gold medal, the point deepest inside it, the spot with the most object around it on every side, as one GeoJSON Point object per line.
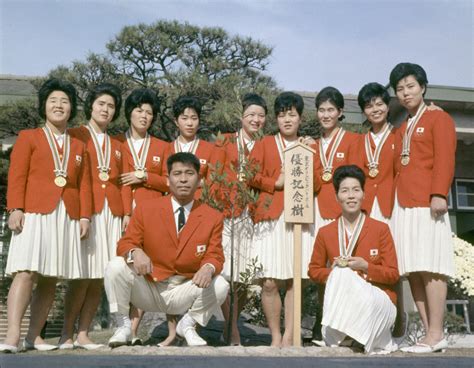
{"type": "Point", "coordinates": [342, 262]}
{"type": "Point", "coordinates": [103, 176]}
{"type": "Point", "coordinates": [373, 172]}
{"type": "Point", "coordinates": [327, 176]}
{"type": "Point", "coordinates": [60, 181]}
{"type": "Point", "coordinates": [405, 160]}
{"type": "Point", "coordinates": [139, 174]}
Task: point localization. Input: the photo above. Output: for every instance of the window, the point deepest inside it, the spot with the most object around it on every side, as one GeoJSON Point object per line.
{"type": "Point", "coordinates": [465, 194]}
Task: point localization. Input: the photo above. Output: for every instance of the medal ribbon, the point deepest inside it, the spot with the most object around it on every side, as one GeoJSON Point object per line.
{"type": "Point", "coordinates": [327, 164]}
{"type": "Point", "coordinates": [60, 165]}
{"type": "Point", "coordinates": [281, 146]}
{"type": "Point", "coordinates": [194, 146]}
{"type": "Point", "coordinates": [373, 158]}
{"type": "Point", "coordinates": [410, 129]}
{"type": "Point", "coordinates": [104, 162]}
{"type": "Point", "coordinates": [139, 161]}
{"type": "Point", "coordinates": [345, 250]}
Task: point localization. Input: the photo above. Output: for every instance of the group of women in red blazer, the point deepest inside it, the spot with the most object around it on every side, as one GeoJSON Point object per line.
{"type": "Point", "coordinates": [72, 191]}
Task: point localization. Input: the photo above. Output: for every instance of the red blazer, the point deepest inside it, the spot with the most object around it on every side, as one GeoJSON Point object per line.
{"type": "Point", "coordinates": [153, 229]}
{"type": "Point", "coordinates": [270, 202]}
{"type": "Point", "coordinates": [156, 185]}
{"type": "Point", "coordinates": [382, 185]}
{"type": "Point", "coordinates": [347, 150]}
{"type": "Point", "coordinates": [375, 236]}
{"type": "Point", "coordinates": [31, 177]}
{"type": "Point", "coordinates": [432, 154]}
{"type": "Point", "coordinates": [209, 155]}
{"type": "Point", "coordinates": [109, 189]}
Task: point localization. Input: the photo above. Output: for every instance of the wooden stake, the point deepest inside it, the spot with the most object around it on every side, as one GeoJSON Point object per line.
{"type": "Point", "coordinates": [299, 200]}
{"type": "Point", "coordinates": [297, 286]}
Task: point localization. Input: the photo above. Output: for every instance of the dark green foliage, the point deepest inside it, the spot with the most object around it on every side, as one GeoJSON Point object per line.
{"type": "Point", "coordinates": [176, 58]}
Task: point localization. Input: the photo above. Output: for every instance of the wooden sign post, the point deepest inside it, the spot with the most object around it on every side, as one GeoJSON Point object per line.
{"type": "Point", "coordinates": [299, 203]}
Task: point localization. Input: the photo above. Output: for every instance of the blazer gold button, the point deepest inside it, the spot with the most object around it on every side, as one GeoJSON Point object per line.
{"type": "Point", "coordinates": [103, 185]}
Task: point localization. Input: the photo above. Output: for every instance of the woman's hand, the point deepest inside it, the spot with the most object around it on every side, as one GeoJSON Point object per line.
{"type": "Point", "coordinates": [433, 107]}
{"type": "Point", "coordinates": [125, 222]}
{"type": "Point", "coordinates": [129, 178]}
{"type": "Point", "coordinates": [84, 225]}
{"type": "Point", "coordinates": [307, 140]}
{"type": "Point", "coordinates": [16, 221]}
{"type": "Point", "coordinates": [280, 183]}
{"type": "Point", "coordinates": [438, 206]}
{"type": "Point", "coordinates": [358, 264]}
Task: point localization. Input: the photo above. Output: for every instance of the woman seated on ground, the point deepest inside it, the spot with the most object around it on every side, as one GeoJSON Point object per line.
{"type": "Point", "coordinates": [355, 257]}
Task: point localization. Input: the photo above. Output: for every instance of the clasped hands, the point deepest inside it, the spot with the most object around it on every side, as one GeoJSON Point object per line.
{"type": "Point", "coordinates": [354, 263]}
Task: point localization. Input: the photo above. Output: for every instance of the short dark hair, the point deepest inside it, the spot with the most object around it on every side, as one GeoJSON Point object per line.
{"type": "Point", "coordinates": [330, 94]}
{"type": "Point", "coordinates": [403, 70]}
{"type": "Point", "coordinates": [286, 101]}
{"type": "Point", "coordinates": [184, 158]}
{"type": "Point", "coordinates": [99, 90]}
{"type": "Point", "coordinates": [348, 171]}
{"type": "Point", "coordinates": [370, 92]}
{"type": "Point", "coordinates": [139, 97]}
{"type": "Point", "coordinates": [49, 87]}
{"type": "Point", "coordinates": [186, 102]}
{"type": "Point", "coordinates": [253, 99]}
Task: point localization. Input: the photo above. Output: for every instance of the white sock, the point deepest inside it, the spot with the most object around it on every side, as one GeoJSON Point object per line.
{"type": "Point", "coordinates": [123, 320]}
{"type": "Point", "coordinates": [187, 321]}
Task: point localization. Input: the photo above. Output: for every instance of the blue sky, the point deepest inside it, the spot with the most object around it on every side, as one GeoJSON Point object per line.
{"type": "Point", "coordinates": [344, 43]}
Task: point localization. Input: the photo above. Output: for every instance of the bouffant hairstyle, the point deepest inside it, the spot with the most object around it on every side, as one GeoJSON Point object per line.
{"type": "Point", "coordinates": [99, 90]}
{"type": "Point", "coordinates": [49, 87]}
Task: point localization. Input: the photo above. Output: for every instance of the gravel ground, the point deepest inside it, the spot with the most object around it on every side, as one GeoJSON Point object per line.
{"type": "Point", "coordinates": [255, 339]}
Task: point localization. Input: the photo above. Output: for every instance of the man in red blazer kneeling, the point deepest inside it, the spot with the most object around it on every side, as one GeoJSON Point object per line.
{"type": "Point", "coordinates": [169, 257]}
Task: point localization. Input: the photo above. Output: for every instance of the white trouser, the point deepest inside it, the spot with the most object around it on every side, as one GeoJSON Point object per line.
{"type": "Point", "coordinates": [356, 308]}
{"type": "Point", "coordinates": [175, 295]}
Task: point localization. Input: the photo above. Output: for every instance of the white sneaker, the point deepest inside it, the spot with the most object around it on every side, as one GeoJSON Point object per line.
{"type": "Point", "coordinates": [120, 337]}
{"type": "Point", "coordinates": [190, 334]}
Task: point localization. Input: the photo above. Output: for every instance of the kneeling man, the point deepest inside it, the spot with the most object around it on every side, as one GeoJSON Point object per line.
{"type": "Point", "coordinates": [169, 257]}
{"type": "Point", "coordinates": [355, 257]}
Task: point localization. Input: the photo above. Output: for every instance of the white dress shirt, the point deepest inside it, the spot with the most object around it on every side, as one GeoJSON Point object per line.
{"type": "Point", "coordinates": [176, 206]}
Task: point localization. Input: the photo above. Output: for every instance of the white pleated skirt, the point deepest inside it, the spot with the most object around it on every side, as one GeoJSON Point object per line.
{"type": "Point", "coordinates": [422, 242]}
{"type": "Point", "coordinates": [273, 244]}
{"type": "Point", "coordinates": [353, 307]}
{"type": "Point", "coordinates": [101, 245]}
{"type": "Point", "coordinates": [376, 213]}
{"type": "Point", "coordinates": [50, 244]}
{"type": "Point", "coordinates": [243, 250]}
